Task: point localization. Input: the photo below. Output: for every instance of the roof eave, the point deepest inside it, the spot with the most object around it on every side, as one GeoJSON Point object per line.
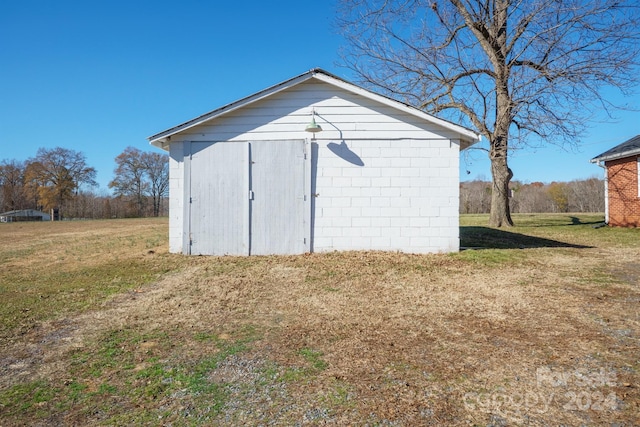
{"type": "Point", "coordinates": [616, 156]}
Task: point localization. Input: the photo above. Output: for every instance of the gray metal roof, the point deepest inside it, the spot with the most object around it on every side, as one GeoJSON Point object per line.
{"type": "Point", "coordinates": [628, 148]}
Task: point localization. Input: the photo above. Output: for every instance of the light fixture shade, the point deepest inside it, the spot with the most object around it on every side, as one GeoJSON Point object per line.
{"type": "Point", "coordinates": [313, 127]}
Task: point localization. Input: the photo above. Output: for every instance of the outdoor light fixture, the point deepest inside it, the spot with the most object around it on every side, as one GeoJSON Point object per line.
{"type": "Point", "coordinates": [313, 127]}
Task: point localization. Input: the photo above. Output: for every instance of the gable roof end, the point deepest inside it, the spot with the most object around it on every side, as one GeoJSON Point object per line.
{"type": "Point", "coordinates": [628, 148]}
{"type": "Point", "coordinates": [161, 139]}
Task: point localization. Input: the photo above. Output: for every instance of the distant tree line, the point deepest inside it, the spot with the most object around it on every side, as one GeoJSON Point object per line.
{"type": "Point", "coordinates": [60, 179]}
{"type": "Point", "coordinates": [585, 195]}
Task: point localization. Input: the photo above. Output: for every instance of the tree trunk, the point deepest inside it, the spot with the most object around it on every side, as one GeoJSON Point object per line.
{"type": "Point", "coordinates": [501, 173]}
{"type": "Point", "coordinates": [500, 210]}
{"type": "Point", "coordinates": [156, 205]}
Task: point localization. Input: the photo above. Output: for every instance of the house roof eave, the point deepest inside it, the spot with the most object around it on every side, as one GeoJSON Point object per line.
{"type": "Point", "coordinates": [616, 156]}
{"type": "Point", "coordinates": [630, 147]}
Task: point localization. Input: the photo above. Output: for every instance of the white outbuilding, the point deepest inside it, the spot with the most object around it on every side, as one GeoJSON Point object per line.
{"type": "Point", "coordinates": [314, 164]}
{"type": "Point", "coordinates": [24, 215]}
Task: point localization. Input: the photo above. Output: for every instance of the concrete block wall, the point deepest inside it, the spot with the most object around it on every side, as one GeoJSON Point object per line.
{"type": "Point", "coordinates": [387, 195]}
{"type": "Point", "coordinates": [623, 192]}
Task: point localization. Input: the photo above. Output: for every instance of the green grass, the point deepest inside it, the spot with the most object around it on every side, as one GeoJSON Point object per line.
{"type": "Point", "coordinates": [313, 365]}
{"type": "Point", "coordinates": [27, 397]}
{"type": "Point", "coordinates": [314, 359]}
{"type": "Point", "coordinates": [545, 231]}
{"type": "Point", "coordinates": [114, 369]}
{"type": "Point", "coordinates": [41, 295]}
{"type": "Point", "coordinates": [52, 269]}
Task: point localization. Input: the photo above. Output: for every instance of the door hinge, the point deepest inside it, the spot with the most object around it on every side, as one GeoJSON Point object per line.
{"type": "Point", "coordinates": [251, 195]}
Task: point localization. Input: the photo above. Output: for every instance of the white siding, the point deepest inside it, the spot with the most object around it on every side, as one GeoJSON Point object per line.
{"type": "Point", "coordinates": [342, 115]}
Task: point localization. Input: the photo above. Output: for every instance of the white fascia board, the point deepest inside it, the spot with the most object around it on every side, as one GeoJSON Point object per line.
{"type": "Point", "coordinates": [467, 134]}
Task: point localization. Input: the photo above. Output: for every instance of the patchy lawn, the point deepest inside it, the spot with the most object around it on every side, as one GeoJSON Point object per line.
{"type": "Point", "coordinates": [537, 325]}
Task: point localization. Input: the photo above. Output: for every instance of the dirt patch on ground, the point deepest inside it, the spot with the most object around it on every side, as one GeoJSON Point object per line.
{"type": "Point", "coordinates": [382, 339]}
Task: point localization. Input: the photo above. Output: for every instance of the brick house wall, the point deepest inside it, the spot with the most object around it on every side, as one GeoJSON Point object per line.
{"type": "Point", "coordinates": [624, 203]}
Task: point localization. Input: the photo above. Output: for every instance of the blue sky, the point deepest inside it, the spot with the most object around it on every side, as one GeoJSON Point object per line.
{"type": "Point", "coordinates": [98, 76]}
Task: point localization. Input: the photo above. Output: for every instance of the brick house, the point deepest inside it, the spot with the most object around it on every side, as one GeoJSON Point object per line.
{"type": "Point", "coordinates": [314, 164]}
{"type": "Point", "coordinates": [622, 186]}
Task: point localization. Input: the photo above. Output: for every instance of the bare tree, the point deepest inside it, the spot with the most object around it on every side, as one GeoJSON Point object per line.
{"type": "Point", "coordinates": [141, 175]}
{"type": "Point", "coordinates": [512, 69]}
{"type": "Point", "coordinates": [12, 192]}
{"type": "Point", "coordinates": [157, 170]}
{"type": "Point", "coordinates": [129, 177]}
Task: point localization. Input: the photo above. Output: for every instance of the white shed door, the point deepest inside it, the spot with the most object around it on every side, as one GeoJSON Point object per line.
{"type": "Point", "coordinates": [248, 198]}
{"type": "Point", "coordinates": [218, 201]}
{"type": "Point", "coordinates": [278, 197]}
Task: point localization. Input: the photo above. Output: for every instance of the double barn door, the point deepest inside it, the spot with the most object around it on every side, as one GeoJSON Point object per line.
{"type": "Point", "coordinates": [248, 198]}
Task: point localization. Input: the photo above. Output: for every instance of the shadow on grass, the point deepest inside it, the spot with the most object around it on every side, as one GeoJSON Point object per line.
{"type": "Point", "coordinates": [491, 238]}
{"type": "Point", "coordinates": [574, 220]}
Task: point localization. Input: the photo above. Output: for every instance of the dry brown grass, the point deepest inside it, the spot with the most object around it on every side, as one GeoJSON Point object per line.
{"type": "Point", "coordinates": [542, 336]}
